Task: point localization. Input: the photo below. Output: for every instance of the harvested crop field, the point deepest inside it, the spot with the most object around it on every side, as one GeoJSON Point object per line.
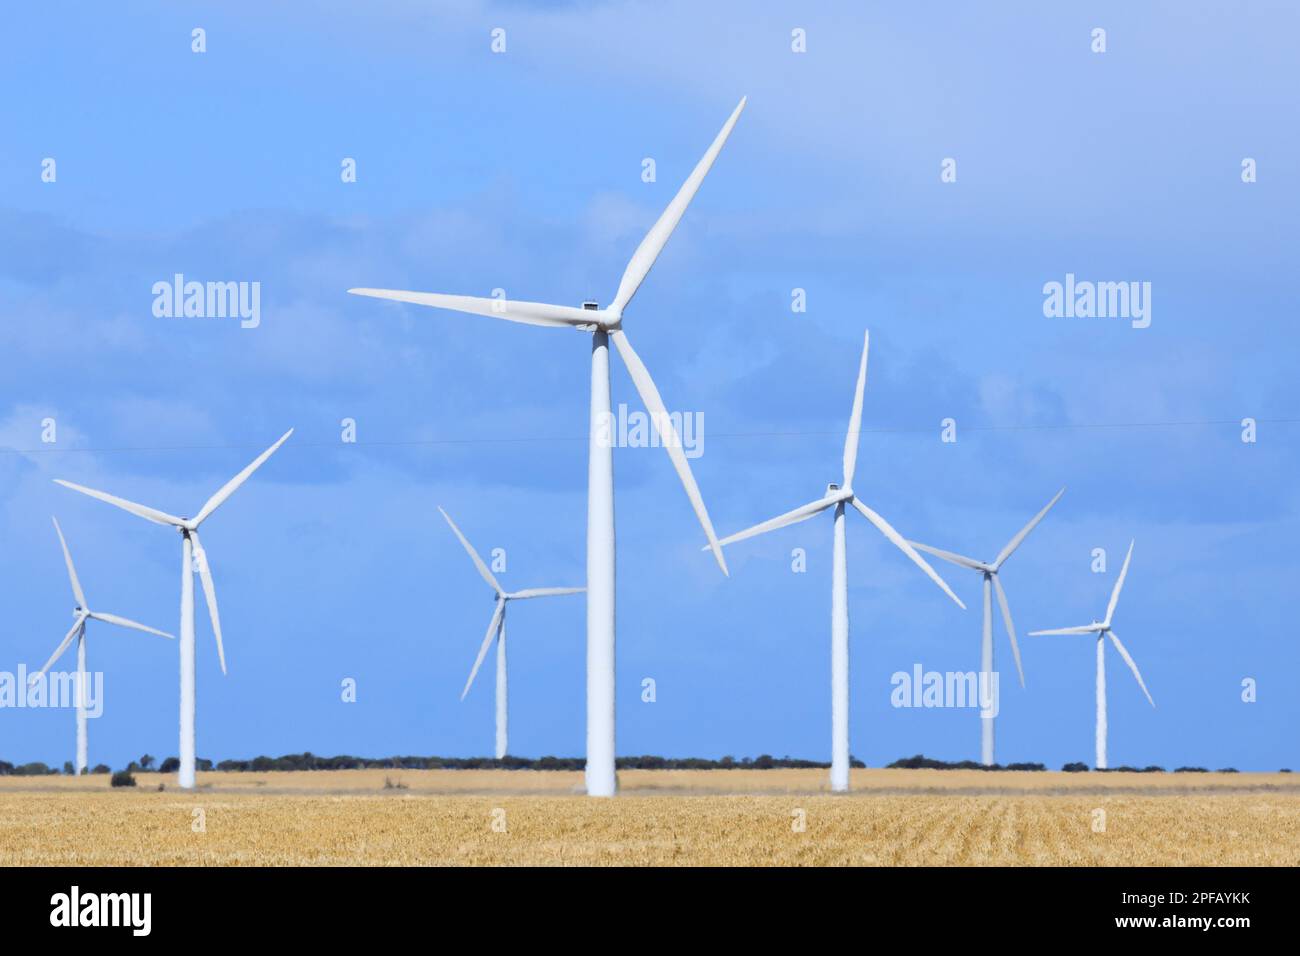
{"type": "Point", "coordinates": [708, 817]}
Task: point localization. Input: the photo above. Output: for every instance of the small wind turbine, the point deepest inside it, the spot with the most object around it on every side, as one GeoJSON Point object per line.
{"type": "Point", "coordinates": [604, 325]}
{"type": "Point", "coordinates": [497, 629]}
{"type": "Point", "coordinates": [838, 496]}
{"type": "Point", "coordinates": [192, 555]}
{"type": "Point", "coordinates": [990, 571]}
{"type": "Point", "coordinates": [82, 613]}
{"type": "Point", "coordinates": [1103, 630]}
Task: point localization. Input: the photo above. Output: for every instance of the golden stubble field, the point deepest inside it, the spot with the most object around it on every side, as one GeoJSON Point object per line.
{"type": "Point", "coordinates": [712, 817]}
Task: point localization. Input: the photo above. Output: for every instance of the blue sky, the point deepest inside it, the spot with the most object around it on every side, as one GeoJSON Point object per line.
{"type": "Point", "coordinates": [523, 171]}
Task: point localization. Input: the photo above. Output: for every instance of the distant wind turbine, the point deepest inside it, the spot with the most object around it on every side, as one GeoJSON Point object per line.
{"type": "Point", "coordinates": [605, 325]}
{"type": "Point", "coordinates": [1103, 630]}
{"type": "Point", "coordinates": [837, 497]}
{"type": "Point", "coordinates": [497, 629]}
{"type": "Point", "coordinates": [82, 613]}
{"type": "Point", "coordinates": [192, 554]}
{"type": "Point", "coordinates": [990, 571]}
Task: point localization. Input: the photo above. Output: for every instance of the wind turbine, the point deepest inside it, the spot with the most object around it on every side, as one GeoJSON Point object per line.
{"type": "Point", "coordinates": [497, 629]}
{"type": "Point", "coordinates": [82, 613]}
{"type": "Point", "coordinates": [990, 569]}
{"type": "Point", "coordinates": [838, 497]}
{"type": "Point", "coordinates": [1103, 630]}
{"type": "Point", "coordinates": [193, 557]}
{"type": "Point", "coordinates": [604, 325]}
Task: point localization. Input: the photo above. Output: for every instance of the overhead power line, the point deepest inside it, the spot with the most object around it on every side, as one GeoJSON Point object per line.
{"type": "Point", "coordinates": [712, 436]}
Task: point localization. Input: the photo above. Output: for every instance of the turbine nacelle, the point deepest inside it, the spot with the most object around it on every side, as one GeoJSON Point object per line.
{"type": "Point", "coordinates": [836, 493]}
{"type": "Point", "coordinates": [606, 320]}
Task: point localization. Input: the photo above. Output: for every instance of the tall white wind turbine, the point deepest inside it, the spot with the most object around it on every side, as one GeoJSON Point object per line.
{"type": "Point", "coordinates": [497, 629]}
{"type": "Point", "coordinates": [82, 613]}
{"type": "Point", "coordinates": [838, 497]}
{"type": "Point", "coordinates": [604, 325]}
{"type": "Point", "coordinates": [193, 557]}
{"type": "Point", "coordinates": [989, 570]}
{"type": "Point", "coordinates": [1103, 630]}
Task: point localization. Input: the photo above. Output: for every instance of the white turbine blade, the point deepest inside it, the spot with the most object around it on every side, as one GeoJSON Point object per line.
{"type": "Point", "coordinates": [528, 313]}
{"type": "Point", "coordinates": [1086, 629]}
{"type": "Point", "coordinates": [469, 549]}
{"type": "Point", "coordinates": [1024, 532]}
{"type": "Point", "coordinates": [802, 513]}
{"type": "Point", "coordinates": [494, 628]}
{"type": "Point", "coordinates": [1011, 628]}
{"type": "Point", "coordinates": [142, 511]}
{"type": "Point", "coordinates": [63, 645]}
{"type": "Point", "coordinates": [855, 418]}
{"type": "Point", "coordinates": [1128, 659]}
{"type": "Point", "coordinates": [126, 622]}
{"type": "Point", "coordinates": [1119, 583]}
{"type": "Point", "coordinates": [230, 487]}
{"type": "Point", "coordinates": [654, 404]}
{"type": "Point", "coordinates": [544, 592]}
{"type": "Point", "coordinates": [655, 240]}
{"type": "Point", "coordinates": [900, 542]}
{"type": "Point", "coordinates": [953, 558]}
{"type": "Point", "coordinates": [72, 572]}
{"type": "Point", "coordinates": [210, 593]}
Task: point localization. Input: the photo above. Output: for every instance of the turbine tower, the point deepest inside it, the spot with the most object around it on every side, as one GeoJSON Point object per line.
{"type": "Point", "coordinates": [193, 557]}
{"type": "Point", "coordinates": [82, 613]}
{"type": "Point", "coordinates": [605, 325]}
{"type": "Point", "coordinates": [497, 629]}
{"type": "Point", "coordinates": [1103, 630]}
{"type": "Point", "coordinates": [989, 570]}
{"type": "Point", "coordinates": [838, 497]}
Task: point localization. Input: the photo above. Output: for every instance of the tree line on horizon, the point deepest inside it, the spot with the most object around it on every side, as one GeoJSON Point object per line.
{"type": "Point", "coordinates": [310, 761]}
